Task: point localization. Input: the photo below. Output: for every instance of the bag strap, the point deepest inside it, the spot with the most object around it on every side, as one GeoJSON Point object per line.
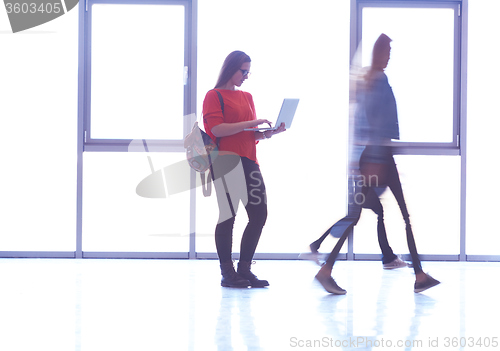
{"type": "Point", "coordinates": [211, 169]}
{"type": "Point", "coordinates": [206, 185]}
{"type": "Point", "coordinates": [221, 100]}
{"type": "Point", "coordinates": [210, 177]}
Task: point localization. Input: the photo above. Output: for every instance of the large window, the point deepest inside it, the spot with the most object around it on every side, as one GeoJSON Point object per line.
{"type": "Point", "coordinates": [431, 186]}
{"type": "Point", "coordinates": [138, 75]}
{"type": "Point", "coordinates": [119, 216]}
{"type": "Point", "coordinates": [424, 69]}
{"type": "Point", "coordinates": [136, 88]}
{"type": "Point", "coordinates": [145, 65]}
{"type": "Point", "coordinates": [37, 146]}
{"type": "Point", "coordinates": [482, 131]}
{"type": "Point", "coordinates": [137, 72]}
{"type": "Point", "coordinates": [424, 73]}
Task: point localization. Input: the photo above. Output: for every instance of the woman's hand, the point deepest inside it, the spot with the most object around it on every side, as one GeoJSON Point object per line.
{"type": "Point", "coordinates": [280, 129]}
{"type": "Point", "coordinates": [258, 122]}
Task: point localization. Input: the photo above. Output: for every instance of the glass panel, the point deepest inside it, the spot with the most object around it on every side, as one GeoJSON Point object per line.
{"type": "Point", "coordinates": [431, 186]}
{"type": "Point", "coordinates": [137, 72]}
{"type": "Point", "coordinates": [483, 125]}
{"type": "Point", "coordinates": [119, 214]}
{"type": "Point", "coordinates": [38, 144]}
{"type": "Point", "coordinates": [304, 168]}
{"type": "Point", "coordinates": [421, 67]}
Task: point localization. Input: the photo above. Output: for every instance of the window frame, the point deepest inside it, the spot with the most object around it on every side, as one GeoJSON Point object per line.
{"type": "Point", "coordinates": [421, 148]}
{"type": "Point", "coordinates": [189, 104]}
{"type": "Point", "coordinates": [85, 143]}
{"type": "Point", "coordinates": [458, 145]}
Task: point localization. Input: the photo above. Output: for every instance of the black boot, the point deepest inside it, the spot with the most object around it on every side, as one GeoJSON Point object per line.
{"type": "Point", "coordinates": [244, 271]}
{"type": "Point", "coordinates": [231, 279]}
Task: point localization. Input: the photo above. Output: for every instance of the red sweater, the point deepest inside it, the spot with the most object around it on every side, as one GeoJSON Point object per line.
{"type": "Point", "coordinates": [238, 107]}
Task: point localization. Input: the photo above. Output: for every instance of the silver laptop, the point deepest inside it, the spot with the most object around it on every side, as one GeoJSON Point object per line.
{"type": "Point", "coordinates": [285, 116]}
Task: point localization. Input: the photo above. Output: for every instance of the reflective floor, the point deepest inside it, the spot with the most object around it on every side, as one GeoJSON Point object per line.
{"type": "Point", "coordinates": [148, 305]}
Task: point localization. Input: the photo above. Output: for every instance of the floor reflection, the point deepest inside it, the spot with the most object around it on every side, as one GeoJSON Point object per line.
{"type": "Point", "coordinates": [154, 305]}
{"type": "Point", "coordinates": [235, 328]}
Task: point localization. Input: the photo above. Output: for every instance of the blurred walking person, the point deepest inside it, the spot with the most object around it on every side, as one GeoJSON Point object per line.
{"type": "Point", "coordinates": [374, 169]}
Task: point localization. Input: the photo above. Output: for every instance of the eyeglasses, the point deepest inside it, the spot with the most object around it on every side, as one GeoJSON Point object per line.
{"type": "Point", "coordinates": [245, 72]}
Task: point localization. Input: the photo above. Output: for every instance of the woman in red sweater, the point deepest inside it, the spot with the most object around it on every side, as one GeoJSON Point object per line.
{"type": "Point", "coordinates": [236, 172]}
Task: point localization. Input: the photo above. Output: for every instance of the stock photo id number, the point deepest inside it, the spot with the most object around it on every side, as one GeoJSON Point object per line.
{"type": "Point", "coordinates": [26, 14]}
{"type": "Point", "coordinates": [363, 342]}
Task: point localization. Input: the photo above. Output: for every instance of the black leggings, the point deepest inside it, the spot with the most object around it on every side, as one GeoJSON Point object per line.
{"type": "Point", "coordinates": [231, 188]}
